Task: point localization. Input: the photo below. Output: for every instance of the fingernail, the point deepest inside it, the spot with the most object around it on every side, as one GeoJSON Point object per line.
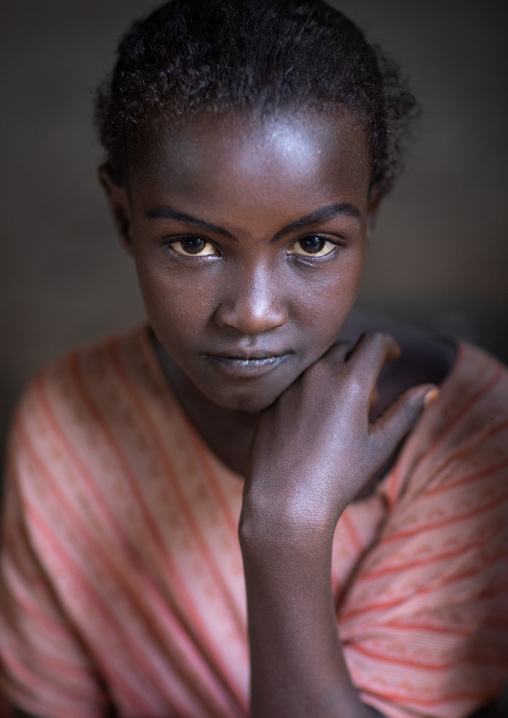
{"type": "Point", "coordinates": [430, 397]}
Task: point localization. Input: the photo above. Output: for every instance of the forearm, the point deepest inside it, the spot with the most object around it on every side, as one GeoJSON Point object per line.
{"type": "Point", "coordinates": [312, 452]}
{"type": "Point", "coordinates": [297, 662]}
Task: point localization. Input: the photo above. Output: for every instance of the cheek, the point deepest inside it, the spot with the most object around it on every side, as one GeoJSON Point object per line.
{"type": "Point", "coordinates": [350, 272]}
{"type": "Point", "coordinates": [172, 301]}
{"type": "Point", "coordinates": [335, 290]}
{"type": "Point", "coordinates": [329, 304]}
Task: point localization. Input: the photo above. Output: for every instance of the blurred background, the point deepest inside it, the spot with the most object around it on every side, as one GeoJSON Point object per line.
{"type": "Point", "coordinates": [439, 257]}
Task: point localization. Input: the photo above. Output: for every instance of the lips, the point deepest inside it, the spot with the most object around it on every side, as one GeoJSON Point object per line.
{"type": "Point", "coordinates": [248, 364]}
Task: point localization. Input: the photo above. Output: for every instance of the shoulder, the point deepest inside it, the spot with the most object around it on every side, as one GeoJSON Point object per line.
{"type": "Point", "coordinates": [473, 400]}
{"type": "Point", "coordinates": [69, 405]}
{"type": "Point", "coordinates": [87, 369]}
{"type": "Point", "coordinates": [460, 445]}
{"type": "Point", "coordinates": [82, 432]}
{"type": "Point", "coordinates": [472, 409]}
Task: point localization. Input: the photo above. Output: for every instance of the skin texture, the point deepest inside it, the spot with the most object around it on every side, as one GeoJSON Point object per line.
{"type": "Point", "coordinates": [222, 219]}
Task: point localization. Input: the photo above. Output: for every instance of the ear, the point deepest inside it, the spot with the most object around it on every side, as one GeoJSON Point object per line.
{"type": "Point", "coordinates": [119, 204]}
{"type": "Point", "coordinates": [376, 194]}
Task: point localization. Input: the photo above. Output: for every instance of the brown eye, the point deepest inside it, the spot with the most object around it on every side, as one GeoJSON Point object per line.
{"type": "Point", "coordinates": [194, 246]}
{"type": "Point", "coordinates": [313, 246]}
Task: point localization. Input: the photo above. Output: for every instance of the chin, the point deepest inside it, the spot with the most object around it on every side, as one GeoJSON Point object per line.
{"type": "Point", "coordinates": [251, 402]}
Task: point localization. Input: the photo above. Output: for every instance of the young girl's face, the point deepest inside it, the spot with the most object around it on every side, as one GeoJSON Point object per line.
{"type": "Point", "coordinates": [249, 238]}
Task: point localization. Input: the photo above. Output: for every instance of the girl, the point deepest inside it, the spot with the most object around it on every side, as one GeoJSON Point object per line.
{"type": "Point", "coordinates": [249, 145]}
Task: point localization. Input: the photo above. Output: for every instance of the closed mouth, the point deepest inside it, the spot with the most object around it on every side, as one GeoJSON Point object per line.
{"type": "Point", "coordinates": [247, 364]}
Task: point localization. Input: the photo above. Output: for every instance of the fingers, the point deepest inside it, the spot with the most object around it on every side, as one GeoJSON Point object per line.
{"type": "Point", "coordinates": [340, 350]}
{"type": "Point", "coordinates": [368, 356]}
{"type": "Point", "coordinates": [401, 417]}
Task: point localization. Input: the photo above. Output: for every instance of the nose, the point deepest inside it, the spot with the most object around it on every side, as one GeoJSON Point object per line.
{"type": "Point", "coordinates": [253, 302]}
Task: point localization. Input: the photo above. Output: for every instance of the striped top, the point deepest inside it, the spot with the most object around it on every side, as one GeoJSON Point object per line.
{"type": "Point", "coordinates": [121, 573]}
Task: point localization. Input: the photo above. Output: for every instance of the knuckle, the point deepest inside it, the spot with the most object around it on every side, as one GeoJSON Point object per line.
{"type": "Point", "coordinates": [356, 385]}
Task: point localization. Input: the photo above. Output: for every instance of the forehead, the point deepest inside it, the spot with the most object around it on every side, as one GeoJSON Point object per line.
{"type": "Point", "coordinates": [243, 159]}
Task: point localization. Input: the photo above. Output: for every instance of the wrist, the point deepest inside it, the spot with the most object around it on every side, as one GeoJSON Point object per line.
{"type": "Point", "coordinates": [284, 531]}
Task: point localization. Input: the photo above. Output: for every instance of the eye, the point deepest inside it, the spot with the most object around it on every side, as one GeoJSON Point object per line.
{"type": "Point", "coordinates": [313, 246]}
{"type": "Point", "coordinates": [195, 247]}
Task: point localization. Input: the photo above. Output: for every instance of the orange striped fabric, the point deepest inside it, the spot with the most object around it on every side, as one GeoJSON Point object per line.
{"type": "Point", "coordinates": [121, 574]}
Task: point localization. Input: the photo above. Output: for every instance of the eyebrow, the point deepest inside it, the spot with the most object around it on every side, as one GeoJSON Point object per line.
{"type": "Point", "coordinates": [169, 213]}
{"type": "Point", "coordinates": [319, 215]}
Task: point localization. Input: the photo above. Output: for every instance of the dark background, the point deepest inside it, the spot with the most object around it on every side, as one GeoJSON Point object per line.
{"type": "Point", "coordinates": [439, 255]}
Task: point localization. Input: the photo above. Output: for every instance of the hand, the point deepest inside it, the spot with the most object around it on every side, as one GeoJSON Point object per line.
{"type": "Point", "coordinates": [315, 448]}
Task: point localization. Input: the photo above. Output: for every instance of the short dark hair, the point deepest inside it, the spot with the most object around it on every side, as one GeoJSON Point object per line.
{"type": "Point", "coordinates": [264, 56]}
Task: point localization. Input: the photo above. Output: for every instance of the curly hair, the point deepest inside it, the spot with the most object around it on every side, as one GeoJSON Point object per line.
{"type": "Point", "coordinates": [218, 56]}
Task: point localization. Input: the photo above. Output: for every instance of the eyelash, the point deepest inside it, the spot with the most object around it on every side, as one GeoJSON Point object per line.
{"type": "Point", "coordinates": [314, 257]}
{"type": "Point", "coordinates": [171, 244]}
{"type": "Point", "coordinates": [303, 257]}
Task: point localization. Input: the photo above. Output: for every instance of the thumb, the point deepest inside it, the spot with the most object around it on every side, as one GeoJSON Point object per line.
{"type": "Point", "coordinates": [401, 417]}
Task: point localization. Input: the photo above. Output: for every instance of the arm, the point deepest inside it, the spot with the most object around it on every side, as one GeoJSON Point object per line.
{"type": "Point", "coordinates": [297, 664]}
{"type": "Point", "coordinates": [313, 451]}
